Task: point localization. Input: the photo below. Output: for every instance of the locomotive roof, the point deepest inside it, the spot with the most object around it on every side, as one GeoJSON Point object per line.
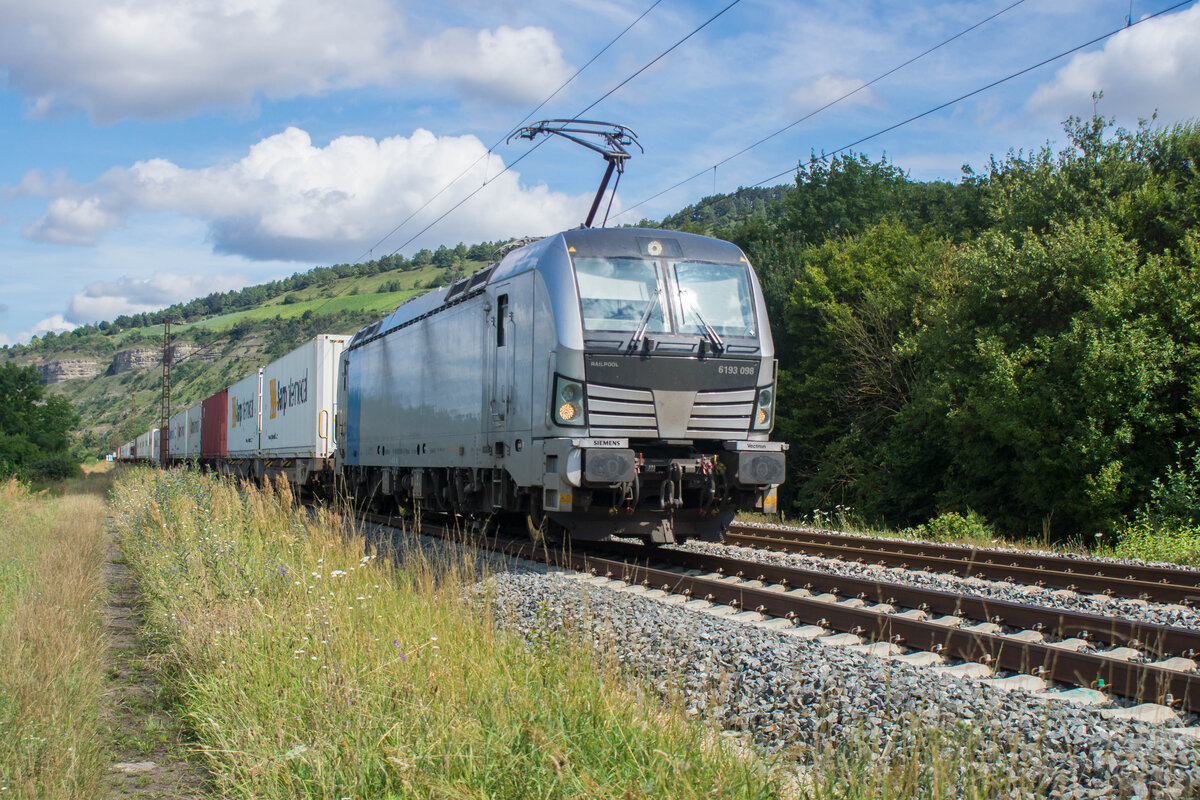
{"type": "Point", "coordinates": [612, 242]}
{"type": "Point", "coordinates": [632, 242]}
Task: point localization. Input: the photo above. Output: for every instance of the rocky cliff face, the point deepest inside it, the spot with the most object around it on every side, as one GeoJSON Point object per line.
{"type": "Point", "coordinates": [135, 358]}
{"type": "Point", "coordinates": [192, 352]}
{"type": "Point", "coordinates": [69, 369]}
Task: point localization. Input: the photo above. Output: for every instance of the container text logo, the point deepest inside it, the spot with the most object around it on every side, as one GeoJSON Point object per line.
{"type": "Point", "coordinates": [241, 411]}
{"type": "Point", "coordinates": [287, 395]}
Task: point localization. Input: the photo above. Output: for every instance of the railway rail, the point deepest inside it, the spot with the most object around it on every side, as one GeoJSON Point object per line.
{"type": "Point", "coordinates": [787, 593]}
{"type": "Point", "coordinates": [1156, 584]}
{"type": "Point", "coordinates": [956, 608]}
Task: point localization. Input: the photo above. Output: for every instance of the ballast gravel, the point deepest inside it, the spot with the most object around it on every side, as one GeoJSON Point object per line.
{"type": "Point", "coordinates": [788, 694]}
{"type": "Point", "coordinates": [1126, 608]}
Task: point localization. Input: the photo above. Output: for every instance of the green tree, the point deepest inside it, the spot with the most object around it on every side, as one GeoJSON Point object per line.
{"type": "Point", "coordinates": [1059, 378]}
{"type": "Point", "coordinates": [33, 427]}
{"type": "Point", "coordinates": [852, 315]}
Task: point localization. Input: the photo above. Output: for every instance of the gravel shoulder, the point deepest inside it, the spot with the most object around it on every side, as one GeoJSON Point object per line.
{"type": "Point", "coordinates": [793, 696]}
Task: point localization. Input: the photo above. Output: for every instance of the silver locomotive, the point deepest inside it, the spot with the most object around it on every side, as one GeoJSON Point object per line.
{"type": "Point", "coordinates": [596, 382]}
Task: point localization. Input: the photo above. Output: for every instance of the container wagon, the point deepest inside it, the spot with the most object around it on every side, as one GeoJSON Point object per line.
{"type": "Point", "coordinates": [212, 430]}
{"type": "Point", "coordinates": [177, 443]}
{"type": "Point", "coordinates": [299, 401]}
{"type": "Point", "coordinates": [195, 416]}
{"type": "Point", "coordinates": [242, 427]}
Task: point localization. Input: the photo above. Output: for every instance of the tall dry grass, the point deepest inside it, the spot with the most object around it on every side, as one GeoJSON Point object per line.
{"type": "Point", "coordinates": [51, 643]}
{"type": "Point", "coordinates": [308, 667]}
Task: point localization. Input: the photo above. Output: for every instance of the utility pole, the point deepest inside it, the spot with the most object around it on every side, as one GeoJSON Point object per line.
{"type": "Point", "coordinates": [129, 415]}
{"type": "Point", "coordinates": [164, 427]}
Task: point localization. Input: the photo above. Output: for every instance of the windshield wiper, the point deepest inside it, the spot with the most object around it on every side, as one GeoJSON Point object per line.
{"type": "Point", "coordinates": [686, 300]}
{"type": "Point", "coordinates": [640, 333]}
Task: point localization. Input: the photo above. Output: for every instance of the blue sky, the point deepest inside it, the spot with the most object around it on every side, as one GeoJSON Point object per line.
{"type": "Point", "coordinates": [157, 150]}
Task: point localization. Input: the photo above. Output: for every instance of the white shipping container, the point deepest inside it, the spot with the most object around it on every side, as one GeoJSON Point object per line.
{"type": "Point", "coordinates": [243, 422]}
{"type": "Point", "coordinates": [147, 445]}
{"type": "Point", "coordinates": [193, 431]}
{"type": "Point", "coordinates": [177, 445]}
{"type": "Point", "coordinates": [299, 394]}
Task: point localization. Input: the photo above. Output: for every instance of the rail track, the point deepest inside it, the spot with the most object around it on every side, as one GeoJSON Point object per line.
{"type": "Point", "coordinates": [971, 629]}
{"type": "Point", "coordinates": [1089, 576]}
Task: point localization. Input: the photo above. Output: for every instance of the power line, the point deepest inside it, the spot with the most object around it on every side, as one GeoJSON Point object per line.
{"type": "Point", "coordinates": [981, 89]}
{"type": "Point", "coordinates": [657, 58]}
{"type": "Point", "coordinates": [579, 114]}
{"type": "Point", "coordinates": [828, 105]}
{"type": "Point", "coordinates": [502, 139]}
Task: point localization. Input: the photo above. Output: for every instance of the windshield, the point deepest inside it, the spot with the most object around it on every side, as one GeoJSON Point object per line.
{"type": "Point", "coordinates": [615, 293]}
{"type": "Point", "coordinates": [717, 294]}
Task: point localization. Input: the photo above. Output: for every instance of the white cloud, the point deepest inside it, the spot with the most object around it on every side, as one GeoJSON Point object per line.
{"type": "Point", "coordinates": [75, 221]}
{"type": "Point", "coordinates": [110, 299]}
{"type": "Point", "coordinates": [115, 59]}
{"type": "Point", "coordinates": [54, 323]}
{"type": "Point", "coordinates": [829, 87]}
{"type": "Point", "coordinates": [513, 65]}
{"type": "Point", "coordinates": [290, 200]}
{"type": "Point", "coordinates": [1155, 65]}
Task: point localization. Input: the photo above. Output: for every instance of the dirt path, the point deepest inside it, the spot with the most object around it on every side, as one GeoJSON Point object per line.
{"type": "Point", "coordinates": [150, 757]}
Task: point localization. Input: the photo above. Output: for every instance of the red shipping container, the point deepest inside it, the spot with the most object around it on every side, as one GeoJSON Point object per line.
{"type": "Point", "coordinates": [212, 426]}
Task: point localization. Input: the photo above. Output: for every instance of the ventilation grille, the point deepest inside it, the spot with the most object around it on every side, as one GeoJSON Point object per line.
{"type": "Point", "coordinates": [721, 414]}
{"type": "Point", "coordinates": [627, 413]}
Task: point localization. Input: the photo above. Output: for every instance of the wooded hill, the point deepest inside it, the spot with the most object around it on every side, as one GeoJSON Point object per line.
{"type": "Point", "coordinates": [1023, 344]}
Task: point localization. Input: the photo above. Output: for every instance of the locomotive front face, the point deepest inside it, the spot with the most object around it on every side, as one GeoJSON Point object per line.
{"type": "Point", "coordinates": [675, 398]}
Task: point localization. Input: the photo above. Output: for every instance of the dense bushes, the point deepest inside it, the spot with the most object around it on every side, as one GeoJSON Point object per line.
{"type": "Point", "coordinates": [1167, 526]}
{"type": "Point", "coordinates": [1025, 343]}
{"type": "Point", "coordinates": [35, 428]}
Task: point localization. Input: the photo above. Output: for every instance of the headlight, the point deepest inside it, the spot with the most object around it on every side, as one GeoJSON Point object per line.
{"type": "Point", "coordinates": [764, 409]}
{"type": "Point", "coordinates": [568, 401]}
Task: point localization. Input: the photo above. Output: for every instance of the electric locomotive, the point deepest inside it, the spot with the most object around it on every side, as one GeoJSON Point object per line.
{"type": "Point", "coordinates": [611, 381]}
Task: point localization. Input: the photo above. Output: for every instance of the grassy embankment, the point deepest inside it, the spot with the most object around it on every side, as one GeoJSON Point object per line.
{"type": "Point", "coordinates": [51, 641]}
{"type": "Point", "coordinates": [307, 667]}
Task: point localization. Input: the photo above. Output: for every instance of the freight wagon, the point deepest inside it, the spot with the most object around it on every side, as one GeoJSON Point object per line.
{"type": "Point", "coordinates": [212, 430]}
{"type": "Point", "coordinates": [194, 420]}
{"type": "Point", "coordinates": [146, 446]}
{"type": "Point", "coordinates": [177, 443]}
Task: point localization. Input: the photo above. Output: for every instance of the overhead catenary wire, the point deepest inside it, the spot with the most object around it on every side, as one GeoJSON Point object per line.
{"type": "Point", "coordinates": [577, 115]}
{"type": "Point", "coordinates": [504, 138]}
{"type": "Point", "coordinates": [817, 111]}
{"type": "Point", "coordinates": [981, 89]}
